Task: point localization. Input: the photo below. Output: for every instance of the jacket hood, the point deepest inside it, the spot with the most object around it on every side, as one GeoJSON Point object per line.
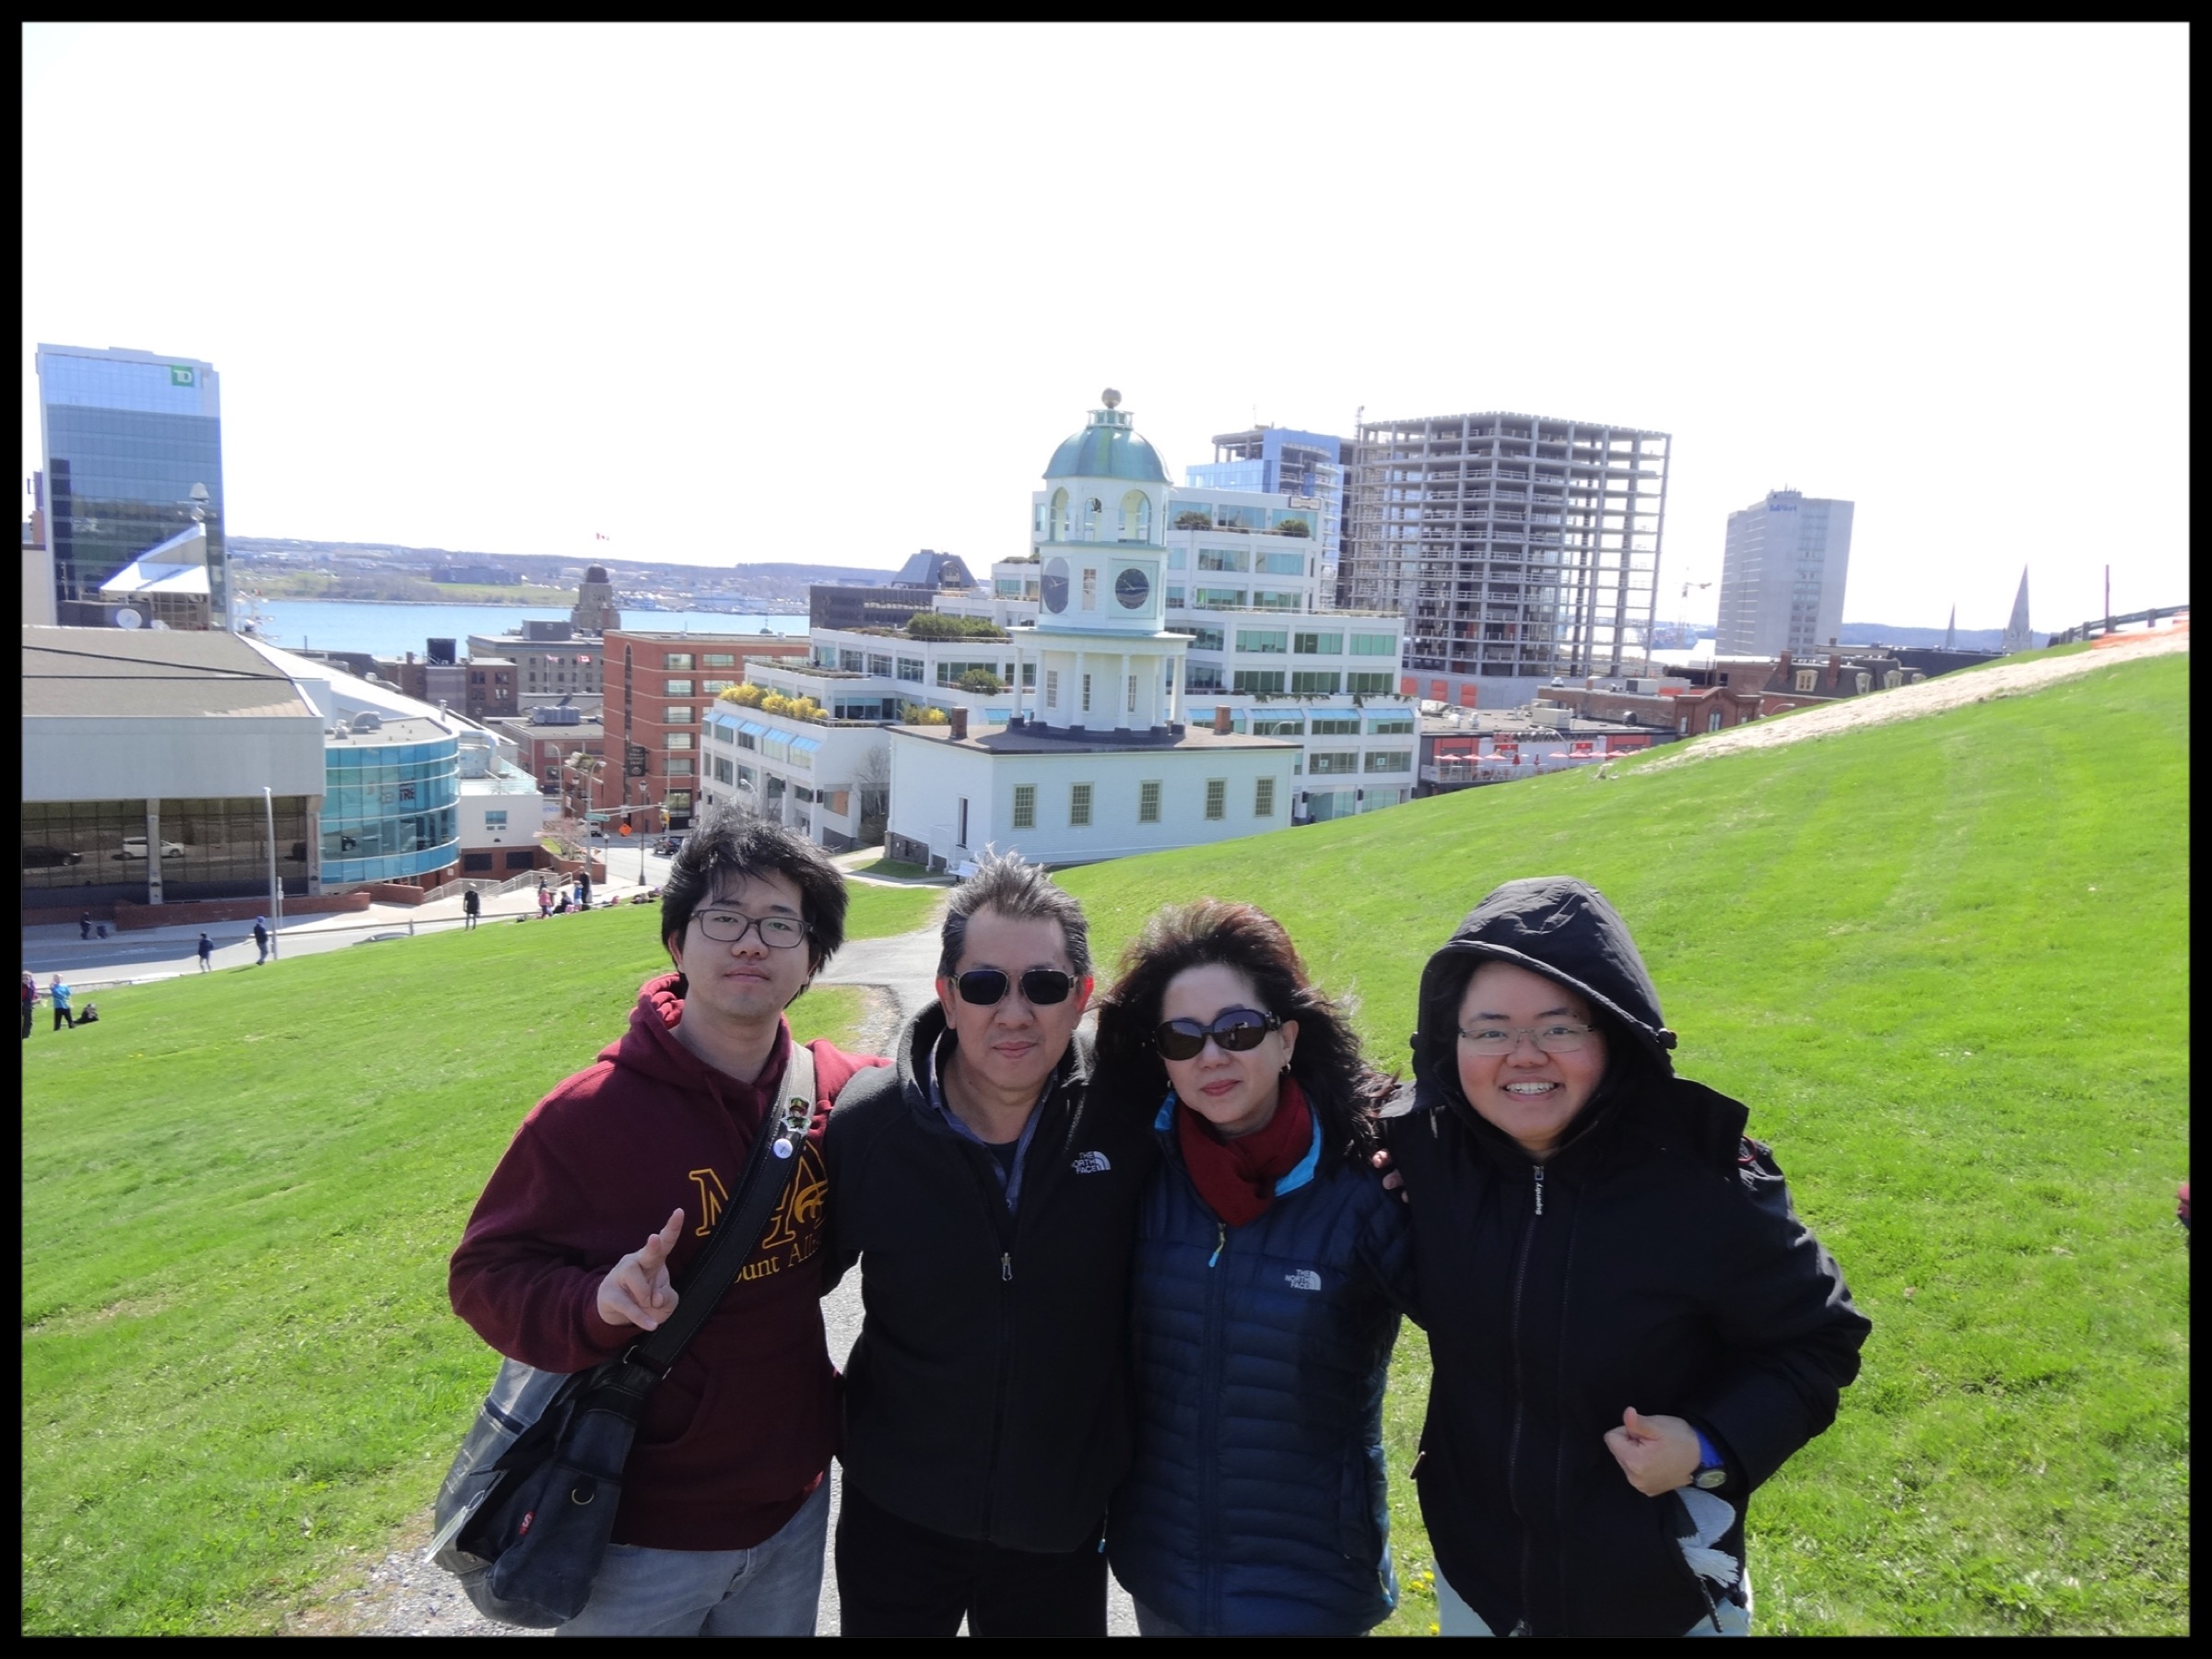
{"type": "Point", "coordinates": [1554, 925]}
{"type": "Point", "coordinates": [650, 1049]}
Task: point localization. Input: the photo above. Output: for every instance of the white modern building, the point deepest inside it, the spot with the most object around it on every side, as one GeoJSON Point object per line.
{"type": "Point", "coordinates": [1783, 574]}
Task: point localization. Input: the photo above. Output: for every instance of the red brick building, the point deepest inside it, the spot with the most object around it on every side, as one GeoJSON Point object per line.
{"type": "Point", "coordinates": [657, 687]}
{"type": "Point", "coordinates": [545, 747]}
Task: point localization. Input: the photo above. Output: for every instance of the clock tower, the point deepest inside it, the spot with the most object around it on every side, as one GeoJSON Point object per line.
{"type": "Point", "coordinates": [1103, 662]}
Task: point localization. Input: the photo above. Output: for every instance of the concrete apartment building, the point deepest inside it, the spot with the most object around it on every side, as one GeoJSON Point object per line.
{"type": "Point", "coordinates": [1783, 574]}
{"type": "Point", "coordinates": [1519, 547]}
{"type": "Point", "coordinates": [131, 491]}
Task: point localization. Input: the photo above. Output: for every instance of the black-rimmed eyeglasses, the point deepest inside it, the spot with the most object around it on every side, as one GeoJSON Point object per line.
{"type": "Point", "coordinates": [1236, 1030]}
{"type": "Point", "coordinates": [1041, 987]}
{"type": "Point", "coordinates": [729, 927]}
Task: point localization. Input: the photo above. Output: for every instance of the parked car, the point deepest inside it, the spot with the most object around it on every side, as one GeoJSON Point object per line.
{"type": "Point", "coordinates": [50, 858]}
{"type": "Point", "coordinates": [133, 846]}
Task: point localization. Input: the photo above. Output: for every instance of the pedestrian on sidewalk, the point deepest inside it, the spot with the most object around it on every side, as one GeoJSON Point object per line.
{"type": "Point", "coordinates": [545, 899]}
{"type": "Point", "coordinates": [583, 889]}
{"type": "Point", "coordinates": [207, 949]}
{"type": "Point", "coordinates": [472, 906]}
{"type": "Point", "coordinates": [84, 926]}
{"type": "Point", "coordinates": [30, 1000]}
{"type": "Point", "coordinates": [58, 994]}
{"type": "Point", "coordinates": [261, 939]}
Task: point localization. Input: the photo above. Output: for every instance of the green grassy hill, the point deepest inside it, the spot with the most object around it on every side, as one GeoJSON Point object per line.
{"type": "Point", "coordinates": [240, 1371]}
{"type": "Point", "coordinates": [1945, 962]}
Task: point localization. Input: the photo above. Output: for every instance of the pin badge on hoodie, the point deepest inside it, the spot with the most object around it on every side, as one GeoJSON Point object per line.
{"type": "Point", "coordinates": [798, 1113]}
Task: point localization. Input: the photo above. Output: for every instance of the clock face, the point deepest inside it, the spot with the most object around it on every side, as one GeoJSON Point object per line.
{"type": "Point", "coordinates": [1056, 586]}
{"type": "Point", "coordinates": [1132, 587]}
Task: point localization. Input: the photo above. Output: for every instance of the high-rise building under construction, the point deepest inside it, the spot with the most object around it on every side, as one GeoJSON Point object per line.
{"type": "Point", "coordinates": [1519, 547]}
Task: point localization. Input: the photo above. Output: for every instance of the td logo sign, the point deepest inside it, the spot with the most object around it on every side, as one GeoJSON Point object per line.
{"type": "Point", "coordinates": [179, 376]}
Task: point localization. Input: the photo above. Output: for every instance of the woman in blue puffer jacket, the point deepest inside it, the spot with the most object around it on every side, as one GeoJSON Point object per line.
{"type": "Point", "coordinates": [1270, 1270]}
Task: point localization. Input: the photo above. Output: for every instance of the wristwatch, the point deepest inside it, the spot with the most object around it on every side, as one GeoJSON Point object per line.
{"type": "Point", "coordinates": [1712, 1469]}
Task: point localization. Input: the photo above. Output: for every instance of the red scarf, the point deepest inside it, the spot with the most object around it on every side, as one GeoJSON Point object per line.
{"type": "Point", "coordinates": [1237, 1178]}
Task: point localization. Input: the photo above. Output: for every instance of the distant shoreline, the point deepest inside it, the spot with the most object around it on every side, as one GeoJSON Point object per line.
{"type": "Point", "coordinates": [502, 604]}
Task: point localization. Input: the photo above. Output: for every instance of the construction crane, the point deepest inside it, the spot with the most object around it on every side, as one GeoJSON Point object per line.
{"type": "Point", "coordinates": [1682, 618]}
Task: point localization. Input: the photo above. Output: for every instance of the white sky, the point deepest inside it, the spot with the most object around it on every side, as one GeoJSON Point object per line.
{"type": "Point", "coordinates": [834, 293]}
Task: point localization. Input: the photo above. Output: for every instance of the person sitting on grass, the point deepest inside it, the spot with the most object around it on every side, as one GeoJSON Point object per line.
{"type": "Point", "coordinates": [1630, 1329]}
{"type": "Point", "coordinates": [90, 1015]}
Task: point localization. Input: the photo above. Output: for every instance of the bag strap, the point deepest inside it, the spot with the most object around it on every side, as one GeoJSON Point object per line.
{"type": "Point", "coordinates": [784, 1119]}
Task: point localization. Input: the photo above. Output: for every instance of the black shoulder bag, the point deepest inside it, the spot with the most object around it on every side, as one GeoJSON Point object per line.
{"type": "Point", "coordinates": [526, 1510]}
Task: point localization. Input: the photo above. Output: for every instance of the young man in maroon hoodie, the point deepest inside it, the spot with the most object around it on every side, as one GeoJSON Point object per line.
{"type": "Point", "coordinates": [610, 1188]}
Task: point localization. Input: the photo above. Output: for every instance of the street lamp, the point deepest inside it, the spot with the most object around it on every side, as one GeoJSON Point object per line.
{"type": "Point", "coordinates": [269, 811]}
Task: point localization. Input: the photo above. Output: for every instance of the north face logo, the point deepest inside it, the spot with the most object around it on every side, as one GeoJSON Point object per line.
{"type": "Point", "coordinates": [1092, 1163]}
{"type": "Point", "coordinates": [1305, 1278]}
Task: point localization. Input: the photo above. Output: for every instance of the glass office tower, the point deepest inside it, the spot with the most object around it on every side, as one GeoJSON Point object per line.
{"type": "Point", "coordinates": [126, 435]}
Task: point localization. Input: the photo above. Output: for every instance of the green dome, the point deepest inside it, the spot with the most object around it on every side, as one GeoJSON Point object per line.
{"type": "Point", "coordinates": [1108, 448]}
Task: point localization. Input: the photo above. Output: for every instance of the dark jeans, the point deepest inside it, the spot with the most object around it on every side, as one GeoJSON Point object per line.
{"type": "Point", "coordinates": [61, 1016]}
{"type": "Point", "coordinates": [897, 1579]}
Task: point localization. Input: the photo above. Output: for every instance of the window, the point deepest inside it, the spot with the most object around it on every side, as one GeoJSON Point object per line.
{"type": "Point", "coordinates": [1396, 724]}
{"type": "Point", "coordinates": [1174, 599]}
{"type": "Point", "coordinates": [1318, 644]}
{"type": "Point", "coordinates": [1313, 683]}
{"type": "Point", "coordinates": [679, 689]}
{"type": "Point", "coordinates": [1051, 687]}
{"type": "Point", "coordinates": [880, 665]}
{"type": "Point", "coordinates": [678, 714]}
{"type": "Point", "coordinates": [1202, 638]}
{"type": "Point", "coordinates": [850, 660]}
{"type": "Point", "coordinates": [1218, 598]}
{"type": "Point", "coordinates": [680, 740]}
{"type": "Point", "coordinates": [1136, 516]}
{"type": "Point", "coordinates": [495, 817]}
{"type": "Point", "coordinates": [1380, 644]}
{"type": "Point", "coordinates": [722, 770]}
{"type": "Point", "coordinates": [1263, 798]}
{"type": "Point", "coordinates": [1337, 726]}
{"type": "Point", "coordinates": [1090, 589]}
{"type": "Point", "coordinates": [1078, 806]}
{"type": "Point", "coordinates": [1263, 600]}
{"type": "Point", "coordinates": [961, 840]}
{"type": "Point", "coordinates": [1025, 805]}
{"type": "Point", "coordinates": [1132, 694]}
{"type": "Point", "coordinates": [1177, 559]}
{"type": "Point", "coordinates": [1282, 564]}
{"type": "Point", "coordinates": [676, 659]}
{"type": "Point", "coordinates": [1393, 761]}
{"type": "Point", "coordinates": [1147, 801]}
{"type": "Point", "coordinates": [679, 768]}
{"type": "Point", "coordinates": [1364, 683]}
{"type": "Point", "coordinates": [1269, 680]}
{"type": "Point", "coordinates": [911, 668]}
{"type": "Point", "coordinates": [1862, 682]}
{"type": "Point", "coordinates": [475, 861]}
{"type": "Point", "coordinates": [1028, 676]}
{"type": "Point", "coordinates": [1201, 676]}
{"type": "Point", "coordinates": [1269, 639]}
{"type": "Point", "coordinates": [1086, 694]}
{"type": "Point", "coordinates": [1332, 765]}
{"type": "Point", "coordinates": [723, 660]}
{"type": "Point", "coordinates": [1217, 798]}
{"type": "Point", "coordinates": [1712, 721]}
{"type": "Point", "coordinates": [1892, 680]}
{"type": "Point", "coordinates": [714, 687]}
{"type": "Point", "coordinates": [746, 777]}
{"type": "Point", "coordinates": [1806, 677]}
{"type": "Point", "coordinates": [1222, 559]}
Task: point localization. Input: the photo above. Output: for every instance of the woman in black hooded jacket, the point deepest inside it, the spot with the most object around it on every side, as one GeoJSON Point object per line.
{"type": "Point", "coordinates": [1630, 1329]}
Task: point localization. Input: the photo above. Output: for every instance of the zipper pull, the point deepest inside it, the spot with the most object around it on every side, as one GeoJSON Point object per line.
{"type": "Point", "coordinates": [1006, 1267]}
{"type": "Point", "coordinates": [1220, 1242]}
{"type": "Point", "coordinates": [1539, 1189]}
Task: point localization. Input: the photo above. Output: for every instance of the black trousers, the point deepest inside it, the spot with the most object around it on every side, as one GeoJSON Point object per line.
{"type": "Point", "coordinates": [897, 1579]}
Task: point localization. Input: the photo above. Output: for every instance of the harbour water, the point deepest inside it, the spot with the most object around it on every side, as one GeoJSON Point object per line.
{"type": "Point", "coordinates": [392, 629]}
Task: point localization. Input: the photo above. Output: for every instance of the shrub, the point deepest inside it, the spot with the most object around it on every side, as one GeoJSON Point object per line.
{"type": "Point", "coordinates": [981, 681]}
{"type": "Point", "coordinates": [744, 692]}
{"type": "Point", "coordinates": [775, 703]}
{"type": "Point", "coordinates": [936, 624]}
{"type": "Point", "coordinates": [920, 714]}
{"type": "Point", "coordinates": [1193, 521]}
{"type": "Point", "coordinates": [1294, 527]}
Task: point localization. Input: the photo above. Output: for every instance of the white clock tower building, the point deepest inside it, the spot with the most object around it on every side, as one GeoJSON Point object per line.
{"type": "Point", "coordinates": [1103, 662]}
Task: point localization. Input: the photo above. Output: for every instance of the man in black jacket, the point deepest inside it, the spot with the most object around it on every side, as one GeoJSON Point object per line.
{"type": "Point", "coordinates": [992, 1207]}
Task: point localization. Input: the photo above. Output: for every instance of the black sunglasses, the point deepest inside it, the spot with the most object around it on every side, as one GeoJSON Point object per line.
{"type": "Point", "coordinates": [1235, 1029]}
{"type": "Point", "coordinates": [1041, 987]}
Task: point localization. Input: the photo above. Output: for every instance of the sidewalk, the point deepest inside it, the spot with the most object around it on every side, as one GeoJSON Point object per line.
{"type": "Point", "coordinates": [158, 953]}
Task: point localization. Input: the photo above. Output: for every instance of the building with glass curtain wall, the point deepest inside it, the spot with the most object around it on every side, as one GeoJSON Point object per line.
{"type": "Point", "coordinates": [126, 435]}
{"type": "Point", "coordinates": [1306, 466]}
